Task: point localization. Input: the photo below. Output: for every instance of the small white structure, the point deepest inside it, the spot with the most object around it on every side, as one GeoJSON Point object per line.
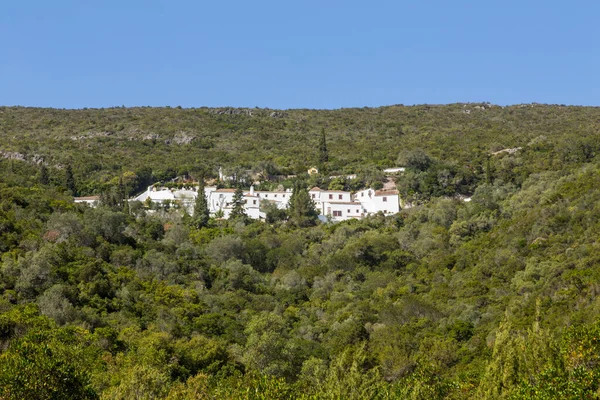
{"type": "Point", "coordinates": [89, 200]}
{"type": "Point", "coordinates": [395, 170]}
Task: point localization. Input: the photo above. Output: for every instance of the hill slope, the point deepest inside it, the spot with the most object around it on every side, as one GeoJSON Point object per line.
{"type": "Point", "coordinates": [492, 298]}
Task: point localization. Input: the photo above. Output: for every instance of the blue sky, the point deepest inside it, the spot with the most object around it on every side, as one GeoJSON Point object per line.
{"type": "Point", "coordinates": [298, 54]}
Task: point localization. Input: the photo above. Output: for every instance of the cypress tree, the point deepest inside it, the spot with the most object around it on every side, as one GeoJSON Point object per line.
{"type": "Point", "coordinates": [70, 179]}
{"type": "Point", "coordinates": [44, 175]}
{"type": "Point", "coordinates": [301, 209]}
{"type": "Point", "coordinates": [238, 211]}
{"type": "Point", "coordinates": [201, 214]}
{"type": "Point", "coordinates": [323, 154]}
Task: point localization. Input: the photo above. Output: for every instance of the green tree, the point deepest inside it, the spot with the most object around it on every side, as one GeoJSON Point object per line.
{"type": "Point", "coordinates": [70, 179]}
{"type": "Point", "coordinates": [45, 362]}
{"type": "Point", "coordinates": [238, 212]}
{"type": "Point", "coordinates": [323, 153]}
{"type": "Point", "coordinates": [416, 159]}
{"type": "Point", "coordinates": [201, 214]}
{"type": "Point", "coordinates": [44, 175]}
{"type": "Point", "coordinates": [301, 209]}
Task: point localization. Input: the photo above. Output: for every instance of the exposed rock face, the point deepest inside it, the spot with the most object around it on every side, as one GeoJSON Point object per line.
{"type": "Point", "coordinates": [92, 134]}
{"type": "Point", "coordinates": [151, 136]}
{"type": "Point", "coordinates": [231, 111]}
{"type": "Point", "coordinates": [509, 151]}
{"type": "Point", "coordinates": [12, 155]}
{"type": "Point", "coordinates": [278, 114]}
{"type": "Point", "coordinates": [37, 159]}
{"type": "Point", "coordinates": [183, 138]}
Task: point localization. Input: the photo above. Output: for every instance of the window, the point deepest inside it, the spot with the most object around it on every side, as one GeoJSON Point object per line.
{"type": "Point", "coordinates": [337, 213]}
{"type": "Point", "coordinates": [340, 196]}
{"type": "Point", "coordinates": [253, 201]}
{"type": "Point", "coordinates": [330, 197]}
{"type": "Point", "coordinates": [348, 211]}
{"type": "Point", "coordinates": [362, 194]}
{"type": "Point", "coordinates": [266, 195]}
{"type": "Point", "coordinates": [357, 210]}
{"type": "Point", "coordinates": [274, 195]}
{"type": "Point", "coordinates": [384, 198]}
{"type": "Point", "coordinates": [313, 195]}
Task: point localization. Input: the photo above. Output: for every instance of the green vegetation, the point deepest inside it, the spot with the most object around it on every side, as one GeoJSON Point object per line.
{"type": "Point", "coordinates": [201, 213]}
{"type": "Point", "coordinates": [492, 298]}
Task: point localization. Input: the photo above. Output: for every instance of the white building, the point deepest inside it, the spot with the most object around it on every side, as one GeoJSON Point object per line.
{"type": "Point", "coordinates": [374, 201]}
{"type": "Point", "coordinates": [338, 205]}
{"type": "Point", "coordinates": [280, 198]}
{"type": "Point", "coordinates": [89, 200]}
{"type": "Point", "coordinates": [341, 211]}
{"type": "Point", "coordinates": [395, 170]}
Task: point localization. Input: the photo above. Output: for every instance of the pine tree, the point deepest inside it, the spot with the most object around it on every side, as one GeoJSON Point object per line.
{"type": "Point", "coordinates": [121, 193]}
{"type": "Point", "coordinates": [238, 212]}
{"type": "Point", "coordinates": [70, 180]}
{"type": "Point", "coordinates": [323, 154]}
{"type": "Point", "coordinates": [301, 209]}
{"type": "Point", "coordinates": [44, 175]}
{"type": "Point", "coordinates": [201, 213]}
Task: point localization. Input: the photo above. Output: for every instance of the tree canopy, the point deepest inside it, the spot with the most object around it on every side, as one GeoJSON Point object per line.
{"type": "Point", "coordinates": [483, 286]}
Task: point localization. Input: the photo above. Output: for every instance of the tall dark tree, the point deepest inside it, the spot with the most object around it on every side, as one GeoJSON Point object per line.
{"type": "Point", "coordinates": [122, 191]}
{"type": "Point", "coordinates": [323, 153]}
{"type": "Point", "coordinates": [201, 213]}
{"type": "Point", "coordinates": [70, 179]}
{"type": "Point", "coordinates": [44, 175]}
{"type": "Point", "coordinates": [238, 211]}
{"type": "Point", "coordinates": [301, 209]}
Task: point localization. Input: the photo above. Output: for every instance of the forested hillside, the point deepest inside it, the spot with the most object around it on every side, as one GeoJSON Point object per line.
{"type": "Point", "coordinates": [487, 299]}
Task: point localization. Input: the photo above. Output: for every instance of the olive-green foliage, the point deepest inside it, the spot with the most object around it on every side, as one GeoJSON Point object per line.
{"type": "Point", "coordinates": [238, 212]}
{"type": "Point", "coordinates": [201, 212]}
{"type": "Point", "coordinates": [44, 362]}
{"type": "Point", "coordinates": [492, 298]}
{"type": "Point", "coordinates": [157, 144]}
{"type": "Point", "coordinates": [301, 208]}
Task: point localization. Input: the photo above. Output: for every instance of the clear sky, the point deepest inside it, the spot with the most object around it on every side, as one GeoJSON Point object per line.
{"type": "Point", "coordinates": [298, 54]}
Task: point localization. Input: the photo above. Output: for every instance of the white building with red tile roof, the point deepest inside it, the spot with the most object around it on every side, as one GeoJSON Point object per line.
{"type": "Point", "coordinates": [337, 205]}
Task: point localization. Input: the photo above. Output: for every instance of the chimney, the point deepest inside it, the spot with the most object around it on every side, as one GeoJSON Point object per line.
{"type": "Point", "coordinates": [252, 190]}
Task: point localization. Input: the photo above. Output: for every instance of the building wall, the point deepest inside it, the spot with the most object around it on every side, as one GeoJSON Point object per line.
{"type": "Point", "coordinates": [282, 199]}
{"type": "Point", "coordinates": [343, 211]}
{"type": "Point", "coordinates": [374, 202]}
{"type": "Point", "coordinates": [327, 202]}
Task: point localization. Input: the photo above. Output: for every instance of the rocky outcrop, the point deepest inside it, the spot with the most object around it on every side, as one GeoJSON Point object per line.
{"type": "Point", "coordinates": [14, 155]}
{"type": "Point", "coordinates": [231, 111]}
{"type": "Point", "coordinates": [92, 135]}
{"type": "Point", "coordinates": [183, 138]}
